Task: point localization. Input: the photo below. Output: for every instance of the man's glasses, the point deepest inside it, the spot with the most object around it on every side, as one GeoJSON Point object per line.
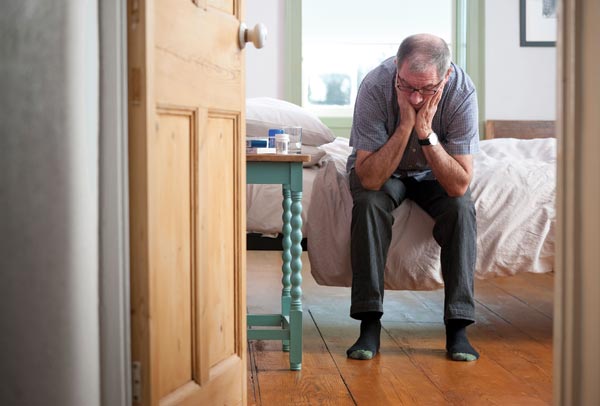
{"type": "Point", "coordinates": [426, 91]}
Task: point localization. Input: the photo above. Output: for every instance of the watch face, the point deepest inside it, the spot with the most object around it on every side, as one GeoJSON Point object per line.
{"type": "Point", "coordinates": [433, 138]}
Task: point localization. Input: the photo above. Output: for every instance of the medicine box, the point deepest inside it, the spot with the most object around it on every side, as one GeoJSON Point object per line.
{"type": "Point", "coordinates": [257, 142]}
{"type": "Point", "coordinates": [254, 150]}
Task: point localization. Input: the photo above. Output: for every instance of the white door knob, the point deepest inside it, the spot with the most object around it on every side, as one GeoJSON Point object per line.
{"type": "Point", "coordinates": [256, 35]}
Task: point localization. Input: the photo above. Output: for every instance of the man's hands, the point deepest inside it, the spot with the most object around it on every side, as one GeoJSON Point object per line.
{"type": "Point", "coordinates": [375, 168]}
{"type": "Point", "coordinates": [408, 114]}
{"type": "Point", "coordinates": [426, 113]}
{"type": "Point", "coordinates": [421, 120]}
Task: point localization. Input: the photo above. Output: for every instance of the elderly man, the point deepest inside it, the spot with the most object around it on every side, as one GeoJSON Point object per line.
{"type": "Point", "coordinates": [414, 131]}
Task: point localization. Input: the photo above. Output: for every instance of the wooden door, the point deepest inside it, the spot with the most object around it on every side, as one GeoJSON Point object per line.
{"type": "Point", "coordinates": [187, 208]}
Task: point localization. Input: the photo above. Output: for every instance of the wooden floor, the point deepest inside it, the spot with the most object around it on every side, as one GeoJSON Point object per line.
{"type": "Point", "coordinates": [513, 334]}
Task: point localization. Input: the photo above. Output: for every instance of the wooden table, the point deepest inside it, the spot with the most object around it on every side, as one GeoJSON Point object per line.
{"type": "Point", "coordinates": [287, 171]}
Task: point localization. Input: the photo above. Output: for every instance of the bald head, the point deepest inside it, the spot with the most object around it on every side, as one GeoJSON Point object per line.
{"type": "Point", "coordinates": [421, 51]}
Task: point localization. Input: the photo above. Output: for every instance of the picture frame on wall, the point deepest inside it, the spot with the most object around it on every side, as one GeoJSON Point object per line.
{"type": "Point", "coordinates": [538, 23]}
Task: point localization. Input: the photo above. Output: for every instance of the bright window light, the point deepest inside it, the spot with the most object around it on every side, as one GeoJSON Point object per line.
{"type": "Point", "coordinates": [342, 40]}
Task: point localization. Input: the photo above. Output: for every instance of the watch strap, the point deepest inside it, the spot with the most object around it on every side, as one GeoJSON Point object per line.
{"type": "Point", "coordinates": [425, 141]}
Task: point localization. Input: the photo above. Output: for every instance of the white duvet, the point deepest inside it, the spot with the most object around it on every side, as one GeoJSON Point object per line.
{"type": "Point", "coordinates": [264, 205]}
{"type": "Point", "coordinates": [514, 192]}
{"type": "Point", "coordinates": [513, 188]}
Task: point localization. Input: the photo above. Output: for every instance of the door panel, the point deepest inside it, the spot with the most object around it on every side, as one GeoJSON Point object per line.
{"type": "Point", "coordinates": [219, 287]}
{"type": "Point", "coordinates": [187, 208]}
{"type": "Point", "coordinates": [170, 201]}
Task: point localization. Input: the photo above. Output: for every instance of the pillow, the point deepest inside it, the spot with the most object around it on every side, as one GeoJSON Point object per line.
{"type": "Point", "coordinates": [263, 113]}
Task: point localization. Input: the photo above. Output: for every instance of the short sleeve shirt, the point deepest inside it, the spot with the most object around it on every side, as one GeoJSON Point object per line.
{"type": "Point", "coordinates": [376, 116]}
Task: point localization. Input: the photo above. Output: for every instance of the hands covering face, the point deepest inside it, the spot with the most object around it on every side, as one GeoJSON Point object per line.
{"type": "Point", "coordinates": [407, 111]}
{"type": "Point", "coordinates": [419, 120]}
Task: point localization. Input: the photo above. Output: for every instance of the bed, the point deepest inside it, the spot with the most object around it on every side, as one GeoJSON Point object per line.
{"type": "Point", "coordinates": [513, 188]}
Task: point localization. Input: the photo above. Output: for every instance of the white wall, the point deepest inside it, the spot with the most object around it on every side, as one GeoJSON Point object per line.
{"type": "Point", "coordinates": [49, 338]}
{"type": "Point", "coordinates": [520, 82]}
{"type": "Point", "coordinates": [264, 67]}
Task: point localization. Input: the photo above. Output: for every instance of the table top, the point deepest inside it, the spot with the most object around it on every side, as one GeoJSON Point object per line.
{"type": "Point", "coordinates": [277, 158]}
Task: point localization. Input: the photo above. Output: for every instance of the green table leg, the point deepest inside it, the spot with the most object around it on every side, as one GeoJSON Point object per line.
{"type": "Point", "coordinates": [296, 280]}
{"type": "Point", "coordinates": [286, 257]}
{"type": "Point", "coordinates": [289, 175]}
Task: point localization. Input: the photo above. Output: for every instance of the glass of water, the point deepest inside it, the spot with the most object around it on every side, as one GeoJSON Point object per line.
{"type": "Point", "coordinates": [295, 133]}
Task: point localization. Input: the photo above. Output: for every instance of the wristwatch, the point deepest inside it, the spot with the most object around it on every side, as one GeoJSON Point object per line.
{"type": "Point", "coordinates": [432, 139]}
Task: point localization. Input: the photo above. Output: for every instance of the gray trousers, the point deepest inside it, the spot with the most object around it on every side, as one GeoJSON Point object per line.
{"type": "Point", "coordinates": [455, 231]}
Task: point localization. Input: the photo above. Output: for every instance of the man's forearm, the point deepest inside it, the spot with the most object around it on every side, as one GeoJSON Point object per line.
{"type": "Point", "coordinates": [374, 170]}
{"type": "Point", "coordinates": [451, 175]}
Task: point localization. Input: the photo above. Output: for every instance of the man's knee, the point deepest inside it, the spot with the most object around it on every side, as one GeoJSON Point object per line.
{"type": "Point", "coordinates": [461, 207]}
{"type": "Point", "coordinates": [387, 198]}
{"type": "Point", "coordinates": [372, 217]}
{"type": "Point", "coordinates": [372, 201]}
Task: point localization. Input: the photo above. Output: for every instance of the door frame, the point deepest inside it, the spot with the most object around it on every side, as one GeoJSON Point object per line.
{"type": "Point", "coordinates": [576, 295]}
{"type": "Point", "coordinates": [114, 306]}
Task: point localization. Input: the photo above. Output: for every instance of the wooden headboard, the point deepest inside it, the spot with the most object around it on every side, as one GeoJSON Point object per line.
{"type": "Point", "coordinates": [523, 129]}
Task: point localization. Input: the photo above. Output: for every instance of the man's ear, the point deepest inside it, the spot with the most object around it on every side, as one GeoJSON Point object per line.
{"type": "Point", "coordinates": [448, 72]}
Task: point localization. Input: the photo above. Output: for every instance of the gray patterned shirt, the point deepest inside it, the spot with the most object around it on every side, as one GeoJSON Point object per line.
{"type": "Point", "coordinates": [376, 116]}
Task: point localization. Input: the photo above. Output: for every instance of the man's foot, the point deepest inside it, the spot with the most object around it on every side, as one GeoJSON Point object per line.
{"type": "Point", "coordinates": [457, 344]}
{"type": "Point", "coordinates": [367, 344]}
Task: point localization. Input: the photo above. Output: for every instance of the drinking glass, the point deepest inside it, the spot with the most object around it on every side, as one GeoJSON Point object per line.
{"type": "Point", "coordinates": [295, 133]}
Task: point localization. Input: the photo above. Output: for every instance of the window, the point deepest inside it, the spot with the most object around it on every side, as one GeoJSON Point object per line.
{"type": "Point", "coordinates": [342, 40]}
{"type": "Point", "coordinates": [350, 43]}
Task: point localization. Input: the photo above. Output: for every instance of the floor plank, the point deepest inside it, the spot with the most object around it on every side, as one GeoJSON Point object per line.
{"type": "Point", "coordinates": [513, 334]}
{"type": "Point", "coordinates": [481, 382]}
{"type": "Point", "coordinates": [537, 290]}
{"type": "Point", "coordinates": [319, 382]}
{"type": "Point", "coordinates": [534, 324]}
{"type": "Point", "coordinates": [389, 379]}
{"type": "Point", "coordinates": [521, 358]}
{"type": "Point", "coordinates": [251, 377]}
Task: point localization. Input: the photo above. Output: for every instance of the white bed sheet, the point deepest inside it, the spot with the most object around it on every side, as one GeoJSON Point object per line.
{"type": "Point", "coordinates": [513, 189]}
{"type": "Point", "coordinates": [264, 205]}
